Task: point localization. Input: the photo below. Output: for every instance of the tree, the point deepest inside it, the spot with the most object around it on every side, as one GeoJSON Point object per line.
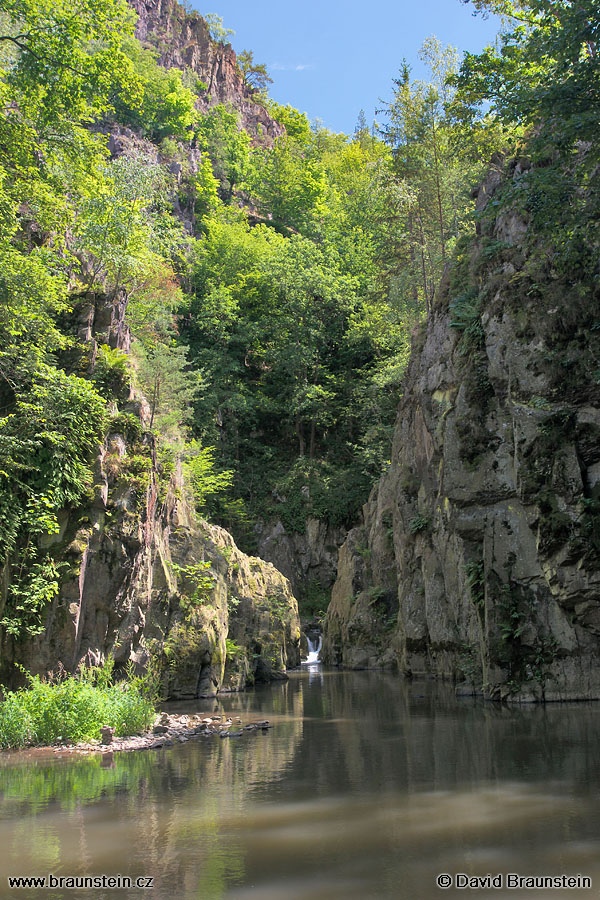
{"type": "Point", "coordinates": [287, 183]}
{"type": "Point", "coordinates": [437, 168]}
{"type": "Point", "coordinates": [228, 146]}
{"type": "Point", "coordinates": [66, 65]}
{"type": "Point", "coordinates": [418, 134]}
{"type": "Point", "coordinates": [545, 76]}
{"type": "Point", "coordinates": [543, 86]}
{"type": "Point", "coordinates": [255, 74]}
{"type": "Point", "coordinates": [162, 106]}
{"type": "Point", "coordinates": [123, 234]}
{"type": "Point", "coordinates": [295, 123]}
{"type": "Point", "coordinates": [217, 30]}
{"type": "Point", "coordinates": [511, 9]}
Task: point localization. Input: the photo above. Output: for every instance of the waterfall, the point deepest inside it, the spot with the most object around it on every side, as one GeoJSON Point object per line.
{"type": "Point", "coordinates": [313, 651]}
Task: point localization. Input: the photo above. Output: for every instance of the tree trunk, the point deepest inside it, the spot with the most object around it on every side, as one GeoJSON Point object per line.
{"type": "Point", "coordinates": [300, 436]}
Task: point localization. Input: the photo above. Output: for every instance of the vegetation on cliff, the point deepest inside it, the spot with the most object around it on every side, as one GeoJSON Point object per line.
{"type": "Point", "coordinates": [269, 289]}
{"type": "Point", "coordinates": [479, 556]}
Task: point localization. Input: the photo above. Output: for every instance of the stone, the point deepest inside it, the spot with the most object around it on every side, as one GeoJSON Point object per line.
{"type": "Point", "coordinates": [308, 559]}
{"type": "Point", "coordinates": [125, 600]}
{"type": "Point", "coordinates": [107, 735]}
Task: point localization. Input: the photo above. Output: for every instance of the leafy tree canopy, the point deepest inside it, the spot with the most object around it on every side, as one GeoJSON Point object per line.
{"type": "Point", "coordinates": [255, 74]}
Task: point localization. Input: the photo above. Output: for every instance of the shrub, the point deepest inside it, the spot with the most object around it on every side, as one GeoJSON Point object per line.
{"type": "Point", "coordinates": [112, 372]}
{"type": "Point", "coordinates": [419, 523]}
{"type": "Point", "coordinates": [76, 708]}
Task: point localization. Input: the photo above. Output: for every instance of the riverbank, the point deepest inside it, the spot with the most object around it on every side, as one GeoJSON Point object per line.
{"type": "Point", "coordinates": [167, 731]}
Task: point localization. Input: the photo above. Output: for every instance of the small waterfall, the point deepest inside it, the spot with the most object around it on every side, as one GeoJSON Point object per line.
{"type": "Point", "coordinates": [313, 651]}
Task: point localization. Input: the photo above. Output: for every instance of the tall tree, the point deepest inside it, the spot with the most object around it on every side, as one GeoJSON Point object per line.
{"type": "Point", "coordinates": [255, 74]}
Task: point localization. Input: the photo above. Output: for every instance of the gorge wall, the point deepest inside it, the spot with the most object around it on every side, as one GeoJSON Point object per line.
{"type": "Point", "coordinates": [182, 41]}
{"type": "Point", "coordinates": [146, 581]}
{"type": "Point", "coordinates": [479, 555]}
{"type": "Point", "coordinates": [142, 578]}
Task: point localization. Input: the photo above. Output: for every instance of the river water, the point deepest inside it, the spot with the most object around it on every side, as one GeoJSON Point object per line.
{"type": "Point", "coordinates": [366, 788]}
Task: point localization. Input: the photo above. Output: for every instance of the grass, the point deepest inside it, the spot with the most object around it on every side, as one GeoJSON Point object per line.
{"type": "Point", "coordinates": [74, 708]}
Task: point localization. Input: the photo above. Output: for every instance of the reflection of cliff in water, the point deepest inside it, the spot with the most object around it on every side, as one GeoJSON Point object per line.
{"type": "Point", "coordinates": [416, 736]}
{"type": "Point", "coordinates": [365, 783]}
{"type": "Point", "coordinates": [157, 813]}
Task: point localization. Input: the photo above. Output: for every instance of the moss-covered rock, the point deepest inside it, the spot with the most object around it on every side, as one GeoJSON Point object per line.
{"type": "Point", "coordinates": [497, 449]}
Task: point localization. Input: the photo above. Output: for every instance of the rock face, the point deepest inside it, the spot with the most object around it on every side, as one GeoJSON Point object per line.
{"type": "Point", "coordinates": [308, 560]}
{"type": "Point", "coordinates": [479, 556]}
{"type": "Point", "coordinates": [182, 41]}
{"type": "Point", "coordinates": [142, 578]}
{"type": "Point", "coordinates": [148, 582]}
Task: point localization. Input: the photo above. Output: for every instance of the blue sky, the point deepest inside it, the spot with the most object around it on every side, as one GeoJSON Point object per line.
{"type": "Point", "coordinates": [331, 58]}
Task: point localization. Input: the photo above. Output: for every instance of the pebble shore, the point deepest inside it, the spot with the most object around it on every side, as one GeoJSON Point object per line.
{"type": "Point", "coordinates": [169, 730]}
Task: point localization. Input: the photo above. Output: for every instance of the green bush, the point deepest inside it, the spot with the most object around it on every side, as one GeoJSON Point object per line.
{"type": "Point", "coordinates": [419, 523]}
{"type": "Point", "coordinates": [162, 107]}
{"type": "Point", "coordinates": [75, 708]}
{"type": "Point", "coordinates": [46, 444]}
{"type": "Point", "coordinates": [112, 372]}
{"type": "Point", "coordinates": [128, 425]}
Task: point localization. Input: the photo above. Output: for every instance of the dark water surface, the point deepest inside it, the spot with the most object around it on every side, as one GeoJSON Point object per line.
{"type": "Point", "coordinates": [367, 788]}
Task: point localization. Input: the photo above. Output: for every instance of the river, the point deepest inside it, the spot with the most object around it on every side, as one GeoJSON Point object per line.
{"type": "Point", "coordinates": [367, 788]}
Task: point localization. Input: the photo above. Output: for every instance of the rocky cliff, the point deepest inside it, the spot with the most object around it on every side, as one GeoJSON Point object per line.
{"type": "Point", "coordinates": [182, 41]}
{"type": "Point", "coordinates": [143, 578]}
{"type": "Point", "coordinates": [479, 555]}
{"type": "Point", "coordinates": [309, 559]}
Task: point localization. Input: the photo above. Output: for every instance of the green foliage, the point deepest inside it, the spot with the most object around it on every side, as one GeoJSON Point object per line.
{"type": "Point", "coordinates": [513, 617]}
{"type": "Point", "coordinates": [32, 297]}
{"type": "Point", "coordinates": [34, 584]}
{"type": "Point", "coordinates": [278, 607]}
{"type": "Point", "coordinates": [288, 184]}
{"type": "Point", "coordinates": [198, 585]}
{"type": "Point", "coordinates": [126, 228]}
{"type": "Point", "coordinates": [374, 594]}
{"type": "Point", "coordinates": [475, 572]}
{"type": "Point", "coordinates": [296, 124]}
{"type": "Point", "coordinates": [294, 346]}
{"type": "Point", "coordinates": [206, 190]}
{"type": "Point", "coordinates": [233, 650]}
{"type": "Point", "coordinates": [163, 371]}
{"type": "Point", "coordinates": [112, 372]}
{"type": "Point", "coordinates": [255, 74]}
{"type": "Point", "coordinates": [204, 479]}
{"type": "Point", "coordinates": [541, 85]}
{"type": "Point", "coordinates": [45, 445]}
{"type": "Point", "coordinates": [313, 603]}
{"type": "Point", "coordinates": [217, 30]}
{"type": "Point", "coordinates": [128, 425]}
{"type": "Point", "coordinates": [65, 66]}
{"type": "Point", "coordinates": [419, 523]}
{"type": "Point", "coordinates": [429, 207]}
{"type": "Point", "coordinates": [75, 708]}
{"type": "Point", "coordinates": [219, 135]}
{"type": "Point", "coordinates": [588, 530]}
{"type": "Point", "coordinates": [162, 106]}
{"type": "Point", "coordinates": [465, 316]}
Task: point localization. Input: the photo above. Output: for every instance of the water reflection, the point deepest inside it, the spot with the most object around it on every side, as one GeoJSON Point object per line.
{"type": "Point", "coordinates": [367, 787]}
